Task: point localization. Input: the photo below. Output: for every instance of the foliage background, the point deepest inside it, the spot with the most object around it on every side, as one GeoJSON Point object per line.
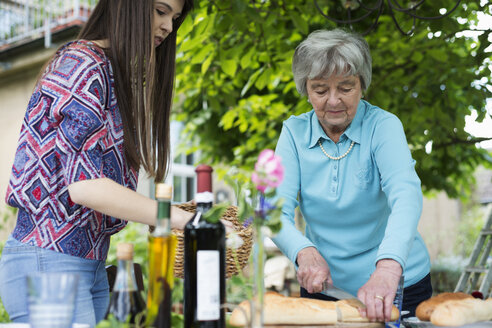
{"type": "Point", "coordinates": [236, 87]}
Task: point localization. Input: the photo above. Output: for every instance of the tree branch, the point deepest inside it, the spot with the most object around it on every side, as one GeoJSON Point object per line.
{"type": "Point", "coordinates": [455, 141]}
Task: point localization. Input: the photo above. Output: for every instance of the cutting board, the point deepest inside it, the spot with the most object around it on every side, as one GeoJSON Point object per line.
{"type": "Point", "coordinates": [416, 323]}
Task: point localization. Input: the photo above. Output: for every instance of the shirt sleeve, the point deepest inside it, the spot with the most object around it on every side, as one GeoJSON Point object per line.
{"type": "Point", "coordinates": [79, 110]}
{"type": "Point", "coordinates": [400, 183]}
{"type": "Point", "coordinates": [289, 240]}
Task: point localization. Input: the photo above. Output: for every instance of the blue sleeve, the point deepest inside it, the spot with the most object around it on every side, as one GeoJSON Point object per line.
{"type": "Point", "coordinates": [401, 185]}
{"type": "Point", "coordinates": [289, 240]}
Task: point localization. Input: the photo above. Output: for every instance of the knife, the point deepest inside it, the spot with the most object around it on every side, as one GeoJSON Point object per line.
{"type": "Point", "coordinates": [331, 290]}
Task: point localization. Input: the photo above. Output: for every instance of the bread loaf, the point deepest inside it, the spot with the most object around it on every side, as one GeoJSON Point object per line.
{"type": "Point", "coordinates": [282, 310]}
{"type": "Point", "coordinates": [462, 312]}
{"type": "Point", "coordinates": [424, 310]}
{"type": "Point", "coordinates": [279, 310]}
{"type": "Point", "coordinates": [348, 311]}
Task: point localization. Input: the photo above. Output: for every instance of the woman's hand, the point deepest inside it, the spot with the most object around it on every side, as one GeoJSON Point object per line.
{"type": "Point", "coordinates": [179, 217]}
{"type": "Point", "coordinates": [313, 270]}
{"type": "Point", "coordinates": [379, 291]}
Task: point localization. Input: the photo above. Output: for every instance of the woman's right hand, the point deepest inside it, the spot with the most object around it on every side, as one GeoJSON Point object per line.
{"type": "Point", "coordinates": [313, 270]}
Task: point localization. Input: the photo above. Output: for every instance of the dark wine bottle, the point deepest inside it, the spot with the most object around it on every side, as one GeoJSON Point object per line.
{"type": "Point", "coordinates": [204, 261]}
{"type": "Point", "coordinates": [162, 249]}
{"type": "Point", "coordinates": [126, 304]}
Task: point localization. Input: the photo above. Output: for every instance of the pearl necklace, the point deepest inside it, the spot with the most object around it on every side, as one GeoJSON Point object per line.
{"type": "Point", "coordinates": [339, 157]}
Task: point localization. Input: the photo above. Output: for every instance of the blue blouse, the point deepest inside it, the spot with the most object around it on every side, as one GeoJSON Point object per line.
{"type": "Point", "coordinates": [359, 209]}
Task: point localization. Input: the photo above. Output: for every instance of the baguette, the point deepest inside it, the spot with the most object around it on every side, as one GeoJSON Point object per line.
{"type": "Point", "coordinates": [424, 310]}
{"type": "Point", "coordinates": [282, 310]}
{"type": "Point", "coordinates": [462, 312]}
{"type": "Point", "coordinates": [348, 311]}
{"type": "Point", "coordinates": [279, 310]}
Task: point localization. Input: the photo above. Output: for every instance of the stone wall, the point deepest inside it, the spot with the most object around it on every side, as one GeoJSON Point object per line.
{"type": "Point", "coordinates": [14, 95]}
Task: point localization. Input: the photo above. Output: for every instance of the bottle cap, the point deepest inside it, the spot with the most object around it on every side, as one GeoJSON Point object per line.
{"type": "Point", "coordinates": [163, 190]}
{"type": "Point", "coordinates": [124, 251]}
{"type": "Point", "coordinates": [204, 178]}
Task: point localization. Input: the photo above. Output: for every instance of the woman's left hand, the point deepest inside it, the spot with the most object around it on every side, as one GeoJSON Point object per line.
{"type": "Point", "coordinates": [379, 291]}
{"type": "Point", "coordinates": [179, 217]}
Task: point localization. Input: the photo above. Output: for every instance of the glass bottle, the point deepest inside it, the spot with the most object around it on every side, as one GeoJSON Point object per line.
{"type": "Point", "coordinates": [204, 261]}
{"type": "Point", "coordinates": [126, 304]}
{"type": "Point", "coordinates": [162, 248]}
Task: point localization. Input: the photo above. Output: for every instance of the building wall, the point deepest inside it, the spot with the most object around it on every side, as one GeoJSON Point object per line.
{"type": "Point", "coordinates": [14, 96]}
{"type": "Point", "coordinates": [439, 224]}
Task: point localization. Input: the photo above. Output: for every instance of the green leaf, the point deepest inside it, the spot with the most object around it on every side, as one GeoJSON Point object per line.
{"type": "Point", "coordinates": [215, 213]}
{"type": "Point", "coordinates": [202, 54]}
{"type": "Point", "coordinates": [438, 55]}
{"type": "Point", "coordinates": [251, 81]}
{"type": "Point", "coordinates": [274, 223]}
{"type": "Point", "coordinates": [245, 210]}
{"type": "Point", "coordinates": [229, 66]}
{"type": "Point", "coordinates": [300, 23]}
{"type": "Point", "coordinates": [177, 320]}
{"type": "Point", "coordinates": [185, 28]}
{"type": "Point", "coordinates": [206, 64]}
{"type": "Point", "coordinates": [191, 43]}
{"type": "Point", "coordinates": [246, 59]}
{"type": "Point", "coordinates": [238, 5]}
{"type": "Point", "coordinates": [263, 79]}
{"type": "Point", "coordinates": [228, 119]}
{"type": "Point", "coordinates": [270, 193]}
{"type": "Point", "coordinates": [417, 57]}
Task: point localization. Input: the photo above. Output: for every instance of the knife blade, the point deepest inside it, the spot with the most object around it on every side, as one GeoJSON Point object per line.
{"type": "Point", "coordinates": [331, 290]}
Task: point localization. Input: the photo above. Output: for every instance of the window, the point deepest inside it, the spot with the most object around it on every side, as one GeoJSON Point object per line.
{"type": "Point", "coordinates": [182, 173]}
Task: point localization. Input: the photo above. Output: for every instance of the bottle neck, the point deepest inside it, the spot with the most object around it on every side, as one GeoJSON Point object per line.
{"type": "Point", "coordinates": [125, 277]}
{"type": "Point", "coordinates": [204, 207]}
{"type": "Point", "coordinates": [163, 223]}
{"type": "Point", "coordinates": [204, 201]}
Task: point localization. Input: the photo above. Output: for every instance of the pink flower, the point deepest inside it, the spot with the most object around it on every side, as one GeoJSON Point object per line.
{"type": "Point", "coordinates": [269, 171]}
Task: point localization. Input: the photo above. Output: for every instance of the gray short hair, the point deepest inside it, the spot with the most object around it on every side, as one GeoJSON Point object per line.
{"type": "Point", "coordinates": [327, 52]}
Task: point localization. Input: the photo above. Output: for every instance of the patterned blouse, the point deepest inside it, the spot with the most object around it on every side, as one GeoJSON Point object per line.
{"type": "Point", "coordinates": [72, 131]}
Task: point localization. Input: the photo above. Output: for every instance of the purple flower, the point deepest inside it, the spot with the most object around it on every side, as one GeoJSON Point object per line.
{"type": "Point", "coordinates": [263, 207]}
{"type": "Point", "coordinates": [247, 222]}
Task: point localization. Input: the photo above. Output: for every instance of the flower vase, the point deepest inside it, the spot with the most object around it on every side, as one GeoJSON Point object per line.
{"type": "Point", "coordinates": [259, 258]}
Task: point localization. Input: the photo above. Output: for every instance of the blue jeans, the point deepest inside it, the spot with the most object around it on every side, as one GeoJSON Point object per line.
{"type": "Point", "coordinates": [19, 259]}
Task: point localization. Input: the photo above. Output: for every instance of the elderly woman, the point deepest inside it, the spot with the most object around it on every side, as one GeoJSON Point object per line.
{"type": "Point", "coordinates": [349, 169]}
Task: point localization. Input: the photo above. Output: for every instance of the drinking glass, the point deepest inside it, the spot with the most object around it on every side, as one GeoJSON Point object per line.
{"type": "Point", "coordinates": [51, 299]}
{"type": "Point", "coordinates": [398, 301]}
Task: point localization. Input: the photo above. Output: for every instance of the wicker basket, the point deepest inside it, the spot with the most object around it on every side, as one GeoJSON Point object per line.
{"type": "Point", "coordinates": [234, 258]}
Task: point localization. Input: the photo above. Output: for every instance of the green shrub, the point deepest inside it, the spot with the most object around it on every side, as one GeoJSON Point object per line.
{"type": "Point", "coordinates": [4, 316]}
{"type": "Point", "coordinates": [471, 222]}
{"type": "Point", "coordinates": [445, 273]}
{"type": "Point", "coordinates": [137, 234]}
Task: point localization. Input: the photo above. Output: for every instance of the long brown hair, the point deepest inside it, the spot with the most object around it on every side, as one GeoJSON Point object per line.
{"type": "Point", "coordinates": [143, 76]}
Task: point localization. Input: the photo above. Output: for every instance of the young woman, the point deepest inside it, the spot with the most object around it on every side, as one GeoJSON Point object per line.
{"type": "Point", "coordinates": [99, 112]}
